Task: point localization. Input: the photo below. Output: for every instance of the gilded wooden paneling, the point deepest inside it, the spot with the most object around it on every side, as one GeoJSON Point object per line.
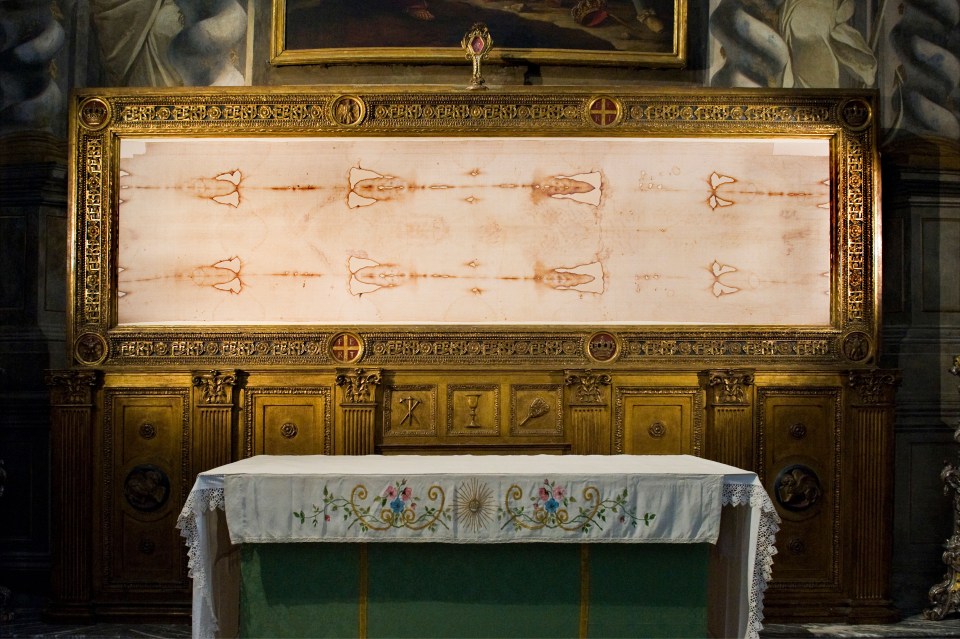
{"type": "Point", "coordinates": [146, 477]}
{"type": "Point", "coordinates": [801, 471]}
{"type": "Point", "coordinates": [658, 421]}
{"type": "Point", "coordinates": [289, 422]}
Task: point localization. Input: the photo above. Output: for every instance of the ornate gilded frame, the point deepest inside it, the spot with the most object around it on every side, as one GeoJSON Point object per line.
{"type": "Point", "coordinates": [101, 118]}
{"type": "Point", "coordinates": [670, 49]}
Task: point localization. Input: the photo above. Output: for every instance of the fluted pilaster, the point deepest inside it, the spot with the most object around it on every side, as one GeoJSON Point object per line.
{"type": "Point", "coordinates": [868, 469]}
{"type": "Point", "coordinates": [214, 405]}
{"type": "Point", "coordinates": [71, 443]}
{"type": "Point", "coordinates": [358, 408]}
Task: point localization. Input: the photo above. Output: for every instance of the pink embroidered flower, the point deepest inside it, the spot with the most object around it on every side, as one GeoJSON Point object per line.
{"type": "Point", "coordinates": [390, 492]}
{"type": "Point", "coordinates": [559, 492]}
{"type": "Point", "coordinates": [406, 493]}
{"type": "Point", "coordinates": [544, 494]}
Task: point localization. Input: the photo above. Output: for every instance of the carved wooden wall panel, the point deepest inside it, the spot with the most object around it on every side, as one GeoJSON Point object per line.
{"type": "Point", "coordinates": [145, 477]}
{"type": "Point", "coordinates": [658, 421]}
{"type": "Point", "coordinates": [289, 421]}
{"type": "Point", "coordinates": [800, 468]}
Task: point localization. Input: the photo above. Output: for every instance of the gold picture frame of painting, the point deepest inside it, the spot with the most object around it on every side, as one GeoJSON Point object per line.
{"type": "Point", "coordinates": [424, 227]}
{"type": "Point", "coordinates": [629, 33]}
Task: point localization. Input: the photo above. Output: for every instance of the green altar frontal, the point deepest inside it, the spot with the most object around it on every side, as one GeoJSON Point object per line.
{"type": "Point", "coordinates": [473, 590]}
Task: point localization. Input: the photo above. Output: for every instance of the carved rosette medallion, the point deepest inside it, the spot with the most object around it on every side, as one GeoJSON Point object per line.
{"type": "Point", "coordinates": [94, 114]}
{"type": "Point", "coordinates": [856, 114]}
{"type": "Point", "coordinates": [797, 488]}
{"type": "Point", "coordinates": [657, 430]}
{"type": "Point", "coordinates": [874, 387]}
{"type": "Point", "coordinates": [348, 110]}
{"type": "Point", "coordinates": [604, 111]}
{"type": "Point", "coordinates": [214, 387]}
{"type": "Point", "coordinates": [588, 386]}
{"type": "Point", "coordinates": [359, 385]}
{"type": "Point", "coordinates": [289, 430]}
{"type": "Point", "coordinates": [798, 430]}
{"type": "Point", "coordinates": [346, 348]}
{"type": "Point", "coordinates": [729, 387]}
{"type": "Point", "coordinates": [90, 349]}
{"type": "Point", "coordinates": [147, 431]}
{"type": "Point", "coordinates": [146, 488]}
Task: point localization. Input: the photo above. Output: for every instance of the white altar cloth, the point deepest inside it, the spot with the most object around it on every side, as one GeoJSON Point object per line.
{"type": "Point", "coordinates": [483, 499]}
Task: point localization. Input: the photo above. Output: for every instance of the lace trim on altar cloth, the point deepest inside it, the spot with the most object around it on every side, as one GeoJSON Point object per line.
{"type": "Point", "coordinates": [198, 502]}
{"type": "Point", "coordinates": [756, 497]}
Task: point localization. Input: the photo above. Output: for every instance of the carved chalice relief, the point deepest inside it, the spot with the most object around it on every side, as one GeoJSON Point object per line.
{"type": "Point", "coordinates": [473, 400]}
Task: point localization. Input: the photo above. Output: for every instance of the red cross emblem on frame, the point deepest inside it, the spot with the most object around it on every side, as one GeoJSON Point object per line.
{"type": "Point", "coordinates": [603, 111]}
{"type": "Point", "coordinates": [346, 348]}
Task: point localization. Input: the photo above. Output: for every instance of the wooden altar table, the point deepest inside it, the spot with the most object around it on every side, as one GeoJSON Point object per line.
{"type": "Point", "coordinates": [704, 530]}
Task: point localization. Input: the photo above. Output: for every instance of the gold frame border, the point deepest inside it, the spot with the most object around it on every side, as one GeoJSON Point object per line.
{"type": "Point", "coordinates": [850, 340]}
{"type": "Point", "coordinates": [280, 55]}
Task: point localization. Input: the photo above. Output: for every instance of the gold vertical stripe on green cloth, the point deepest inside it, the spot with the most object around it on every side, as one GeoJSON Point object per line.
{"type": "Point", "coordinates": [584, 590]}
{"type": "Point", "coordinates": [362, 608]}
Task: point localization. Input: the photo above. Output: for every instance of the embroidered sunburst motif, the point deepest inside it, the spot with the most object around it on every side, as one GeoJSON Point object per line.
{"type": "Point", "coordinates": [474, 504]}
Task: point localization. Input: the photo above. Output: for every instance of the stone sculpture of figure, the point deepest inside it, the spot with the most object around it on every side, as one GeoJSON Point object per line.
{"type": "Point", "coordinates": [822, 44]}
{"type": "Point", "coordinates": [134, 38]}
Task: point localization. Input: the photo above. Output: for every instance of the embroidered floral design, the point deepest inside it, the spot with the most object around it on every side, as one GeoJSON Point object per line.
{"type": "Point", "coordinates": [550, 507]}
{"type": "Point", "coordinates": [474, 505]}
{"type": "Point", "coordinates": [396, 507]}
